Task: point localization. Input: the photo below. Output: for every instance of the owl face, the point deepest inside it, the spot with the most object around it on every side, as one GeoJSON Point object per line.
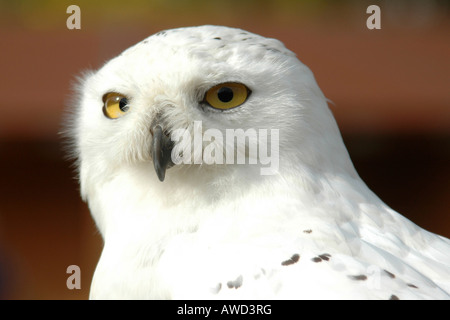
{"type": "Point", "coordinates": [223, 78]}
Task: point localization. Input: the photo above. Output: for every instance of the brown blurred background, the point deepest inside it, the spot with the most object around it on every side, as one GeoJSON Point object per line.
{"type": "Point", "coordinates": [390, 88]}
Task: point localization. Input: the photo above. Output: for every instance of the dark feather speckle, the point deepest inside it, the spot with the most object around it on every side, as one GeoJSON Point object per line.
{"type": "Point", "coordinates": [359, 277]}
{"type": "Point", "coordinates": [292, 260]}
{"type": "Point", "coordinates": [161, 34]}
{"type": "Point", "coordinates": [322, 257]}
{"type": "Point", "coordinates": [235, 283]}
{"type": "Point", "coordinates": [390, 274]}
{"type": "Point", "coordinates": [325, 256]}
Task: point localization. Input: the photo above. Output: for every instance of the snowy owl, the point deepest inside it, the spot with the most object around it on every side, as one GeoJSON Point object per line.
{"type": "Point", "coordinates": [214, 169]}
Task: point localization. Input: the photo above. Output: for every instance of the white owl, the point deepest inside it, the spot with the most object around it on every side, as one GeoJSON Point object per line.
{"type": "Point", "coordinates": [183, 218]}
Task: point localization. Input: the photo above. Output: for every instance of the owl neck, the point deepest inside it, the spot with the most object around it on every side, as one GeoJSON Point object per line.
{"type": "Point", "coordinates": [134, 203]}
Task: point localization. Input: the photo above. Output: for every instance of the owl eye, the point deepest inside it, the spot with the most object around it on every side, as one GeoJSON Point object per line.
{"type": "Point", "coordinates": [227, 95]}
{"type": "Point", "coordinates": [115, 105]}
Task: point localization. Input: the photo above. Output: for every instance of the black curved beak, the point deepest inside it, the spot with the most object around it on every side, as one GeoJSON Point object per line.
{"type": "Point", "coordinates": [161, 147]}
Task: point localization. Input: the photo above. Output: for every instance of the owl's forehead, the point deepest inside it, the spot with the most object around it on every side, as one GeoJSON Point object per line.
{"type": "Point", "coordinates": [208, 42]}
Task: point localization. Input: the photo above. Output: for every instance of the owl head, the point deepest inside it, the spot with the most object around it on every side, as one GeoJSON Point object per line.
{"type": "Point", "coordinates": [166, 108]}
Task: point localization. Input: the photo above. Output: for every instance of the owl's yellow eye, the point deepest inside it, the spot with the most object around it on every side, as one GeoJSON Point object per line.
{"type": "Point", "coordinates": [227, 95]}
{"type": "Point", "coordinates": [115, 105]}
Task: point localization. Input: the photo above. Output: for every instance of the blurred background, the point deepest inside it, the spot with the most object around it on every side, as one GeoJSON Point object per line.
{"type": "Point", "coordinates": [390, 90]}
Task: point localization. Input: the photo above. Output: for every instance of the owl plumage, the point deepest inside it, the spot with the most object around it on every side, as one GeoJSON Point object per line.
{"type": "Point", "coordinates": [196, 229]}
